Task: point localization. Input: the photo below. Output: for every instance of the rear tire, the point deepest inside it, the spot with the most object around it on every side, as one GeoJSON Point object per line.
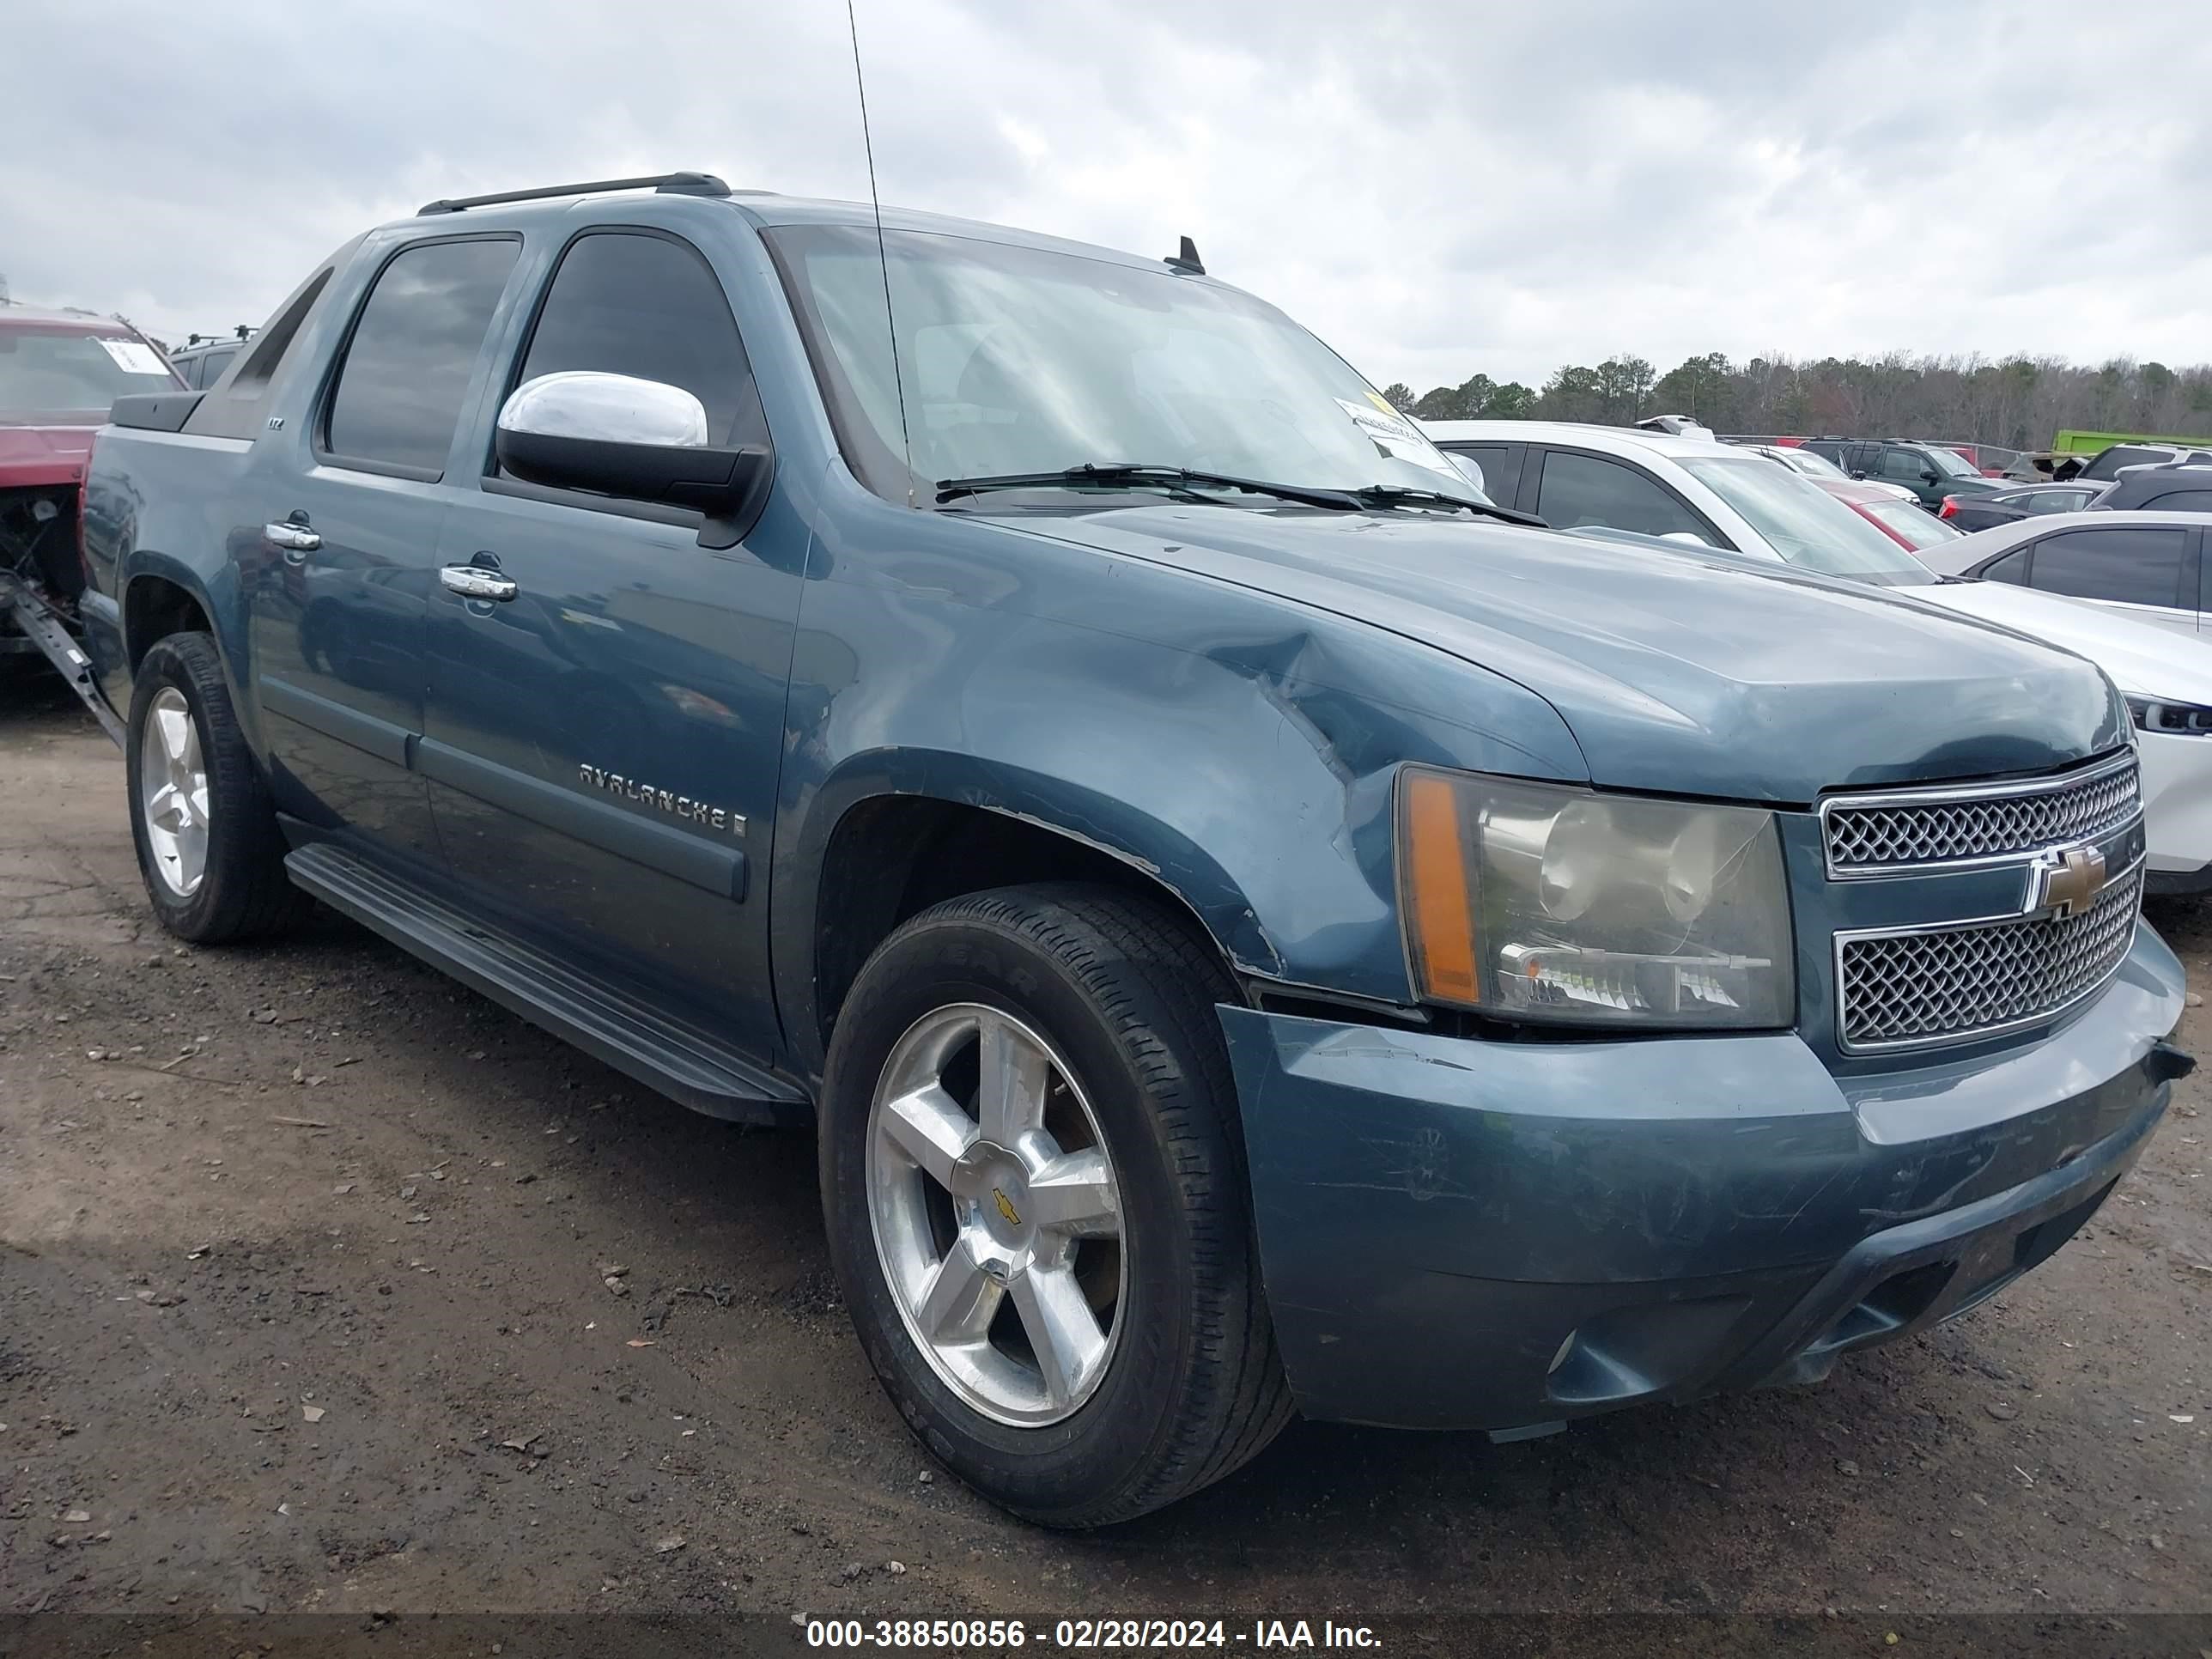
{"type": "Point", "coordinates": [1113, 1001]}
{"type": "Point", "coordinates": [209, 849]}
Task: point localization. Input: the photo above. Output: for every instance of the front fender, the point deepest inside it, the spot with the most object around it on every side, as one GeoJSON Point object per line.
{"type": "Point", "coordinates": [1239, 748]}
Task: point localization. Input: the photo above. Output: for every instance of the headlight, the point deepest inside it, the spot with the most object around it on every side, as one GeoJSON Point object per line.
{"type": "Point", "coordinates": [2174, 720]}
{"type": "Point", "coordinates": [1539, 901]}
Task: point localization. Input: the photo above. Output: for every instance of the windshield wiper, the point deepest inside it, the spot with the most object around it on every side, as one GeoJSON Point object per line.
{"type": "Point", "coordinates": [1129, 475]}
{"type": "Point", "coordinates": [1390, 494]}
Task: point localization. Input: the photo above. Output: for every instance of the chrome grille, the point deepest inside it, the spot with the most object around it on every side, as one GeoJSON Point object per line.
{"type": "Point", "coordinates": [1870, 836]}
{"type": "Point", "coordinates": [1947, 984]}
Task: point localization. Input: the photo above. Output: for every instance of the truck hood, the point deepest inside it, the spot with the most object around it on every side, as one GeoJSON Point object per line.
{"type": "Point", "coordinates": [1683, 671]}
{"type": "Point", "coordinates": [35, 455]}
{"type": "Point", "coordinates": [2141, 658]}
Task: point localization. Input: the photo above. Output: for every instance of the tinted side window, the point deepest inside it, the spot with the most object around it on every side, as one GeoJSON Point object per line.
{"type": "Point", "coordinates": [2183, 501]}
{"type": "Point", "coordinates": [1581, 490]}
{"type": "Point", "coordinates": [1499, 463]}
{"type": "Point", "coordinates": [414, 347]}
{"type": "Point", "coordinates": [649, 307]}
{"type": "Point", "coordinates": [212, 365]}
{"type": "Point", "coordinates": [1903, 466]}
{"type": "Point", "coordinates": [2139, 567]}
{"type": "Point", "coordinates": [2013, 567]}
{"type": "Point", "coordinates": [2107, 463]}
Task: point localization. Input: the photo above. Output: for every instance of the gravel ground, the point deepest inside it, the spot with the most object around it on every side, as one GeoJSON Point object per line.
{"type": "Point", "coordinates": [327, 1286]}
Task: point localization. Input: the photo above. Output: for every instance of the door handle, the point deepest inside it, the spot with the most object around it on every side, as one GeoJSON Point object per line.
{"type": "Point", "coordinates": [292, 537]}
{"type": "Point", "coordinates": [473, 582]}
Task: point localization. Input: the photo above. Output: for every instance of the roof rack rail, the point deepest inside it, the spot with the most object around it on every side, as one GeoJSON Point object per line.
{"type": "Point", "coordinates": [668, 184]}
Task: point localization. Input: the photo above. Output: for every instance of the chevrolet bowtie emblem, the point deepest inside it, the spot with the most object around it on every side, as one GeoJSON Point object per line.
{"type": "Point", "coordinates": [1007, 1208]}
{"type": "Point", "coordinates": [2064, 880]}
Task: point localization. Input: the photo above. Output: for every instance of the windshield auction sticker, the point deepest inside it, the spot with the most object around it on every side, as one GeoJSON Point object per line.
{"type": "Point", "coordinates": [1396, 436]}
{"type": "Point", "coordinates": [134, 356]}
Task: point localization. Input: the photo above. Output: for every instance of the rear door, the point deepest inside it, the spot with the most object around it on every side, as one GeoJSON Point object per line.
{"type": "Point", "coordinates": [342, 541]}
{"type": "Point", "coordinates": [603, 746]}
{"type": "Point", "coordinates": [2146, 572]}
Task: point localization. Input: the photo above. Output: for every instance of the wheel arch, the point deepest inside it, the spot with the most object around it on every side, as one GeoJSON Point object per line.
{"type": "Point", "coordinates": [162, 598]}
{"type": "Point", "coordinates": [882, 847]}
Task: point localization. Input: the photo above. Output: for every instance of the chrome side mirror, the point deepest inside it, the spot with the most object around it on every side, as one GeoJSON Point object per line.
{"type": "Point", "coordinates": [640, 440]}
{"type": "Point", "coordinates": [619, 408]}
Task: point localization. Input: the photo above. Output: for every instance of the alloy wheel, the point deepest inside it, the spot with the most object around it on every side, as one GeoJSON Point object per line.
{"type": "Point", "coordinates": [172, 793]}
{"type": "Point", "coordinates": [996, 1213]}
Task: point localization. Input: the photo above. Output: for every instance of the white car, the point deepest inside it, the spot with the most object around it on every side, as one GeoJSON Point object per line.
{"type": "Point", "coordinates": [2147, 566]}
{"type": "Point", "coordinates": [1610, 479]}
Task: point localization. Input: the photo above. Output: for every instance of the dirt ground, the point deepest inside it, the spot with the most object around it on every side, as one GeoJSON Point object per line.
{"type": "Point", "coordinates": [326, 1285]}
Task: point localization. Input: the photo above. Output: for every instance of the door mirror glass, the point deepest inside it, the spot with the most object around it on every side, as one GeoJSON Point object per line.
{"type": "Point", "coordinates": [637, 440]}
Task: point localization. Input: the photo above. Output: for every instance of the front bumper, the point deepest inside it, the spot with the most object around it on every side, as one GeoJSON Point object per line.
{"type": "Point", "coordinates": [1505, 1236]}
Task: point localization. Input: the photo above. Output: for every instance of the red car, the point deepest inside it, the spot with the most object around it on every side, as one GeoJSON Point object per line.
{"type": "Point", "coordinates": [59, 371]}
{"type": "Point", "coordinates": [1904, 522]}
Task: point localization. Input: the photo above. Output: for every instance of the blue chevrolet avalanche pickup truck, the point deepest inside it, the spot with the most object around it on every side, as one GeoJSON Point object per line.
{"type": "Point", "coordinates": [1256, 933]}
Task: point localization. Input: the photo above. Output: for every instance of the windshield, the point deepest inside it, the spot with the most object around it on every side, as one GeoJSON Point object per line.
{"type": "Point", "coordinates": [1812, 466]}
{"type": "Point", "coordinates": [1910, 523]}
{"type": "Point", "coordinates": [67, 372]}
{"type": "Point", "coordinates": [1018, 360]}
{"type": "Point", "coordinates": [1806, 526]}
{"type": "Point", "coordinates": [1948, 462]}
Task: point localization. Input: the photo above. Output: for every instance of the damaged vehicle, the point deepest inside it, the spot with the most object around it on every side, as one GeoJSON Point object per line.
{"type": "Point", "coordinates": [1256, 928]}
{"type": "Point", "coordinates": [59, 371]}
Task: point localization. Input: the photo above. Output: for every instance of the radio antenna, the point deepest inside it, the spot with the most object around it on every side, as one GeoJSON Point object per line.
{"type": "Point", "coordinates": [883, 259]}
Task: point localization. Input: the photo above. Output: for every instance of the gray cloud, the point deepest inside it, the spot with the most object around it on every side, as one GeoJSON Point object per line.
{"type": "Point", "coordinates": [1435, 189]}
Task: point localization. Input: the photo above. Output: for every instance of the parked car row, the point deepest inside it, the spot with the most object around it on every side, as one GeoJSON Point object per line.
{"type": "Point", "coordinates": [1239, 890]}
{"type": "Point", "coordinates": [1928, 471]}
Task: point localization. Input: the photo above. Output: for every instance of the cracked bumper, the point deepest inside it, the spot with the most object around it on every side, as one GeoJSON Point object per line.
{"type": "Point", "coordinates": [1460, 1233]}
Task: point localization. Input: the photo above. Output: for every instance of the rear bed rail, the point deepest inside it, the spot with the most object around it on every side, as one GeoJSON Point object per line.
{"type": "Point", "coordinates": [155, 411]}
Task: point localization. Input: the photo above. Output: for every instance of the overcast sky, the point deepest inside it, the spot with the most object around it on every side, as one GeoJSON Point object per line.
{"type": "Point", "coordinates": [1434, 188]}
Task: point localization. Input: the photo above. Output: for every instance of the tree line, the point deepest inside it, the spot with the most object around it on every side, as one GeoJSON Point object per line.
{"type": "Point", "coordinates": [2018, 401]}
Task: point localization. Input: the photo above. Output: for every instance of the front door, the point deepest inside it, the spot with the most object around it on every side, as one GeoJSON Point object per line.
{"type": "Point", "coordinates": [339, 546]}
{"type": "Point", "coordinates": [603, 742]}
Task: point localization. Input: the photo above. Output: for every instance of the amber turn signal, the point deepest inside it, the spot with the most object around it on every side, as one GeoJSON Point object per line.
{"type": "Point", "coordinates": [1439, 909]}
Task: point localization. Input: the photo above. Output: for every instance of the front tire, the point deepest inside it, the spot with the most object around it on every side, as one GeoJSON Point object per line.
{"type": "Point", "coordinates": [1036, 1203]}
{"type": "Point", "coordinates": [208, 848]}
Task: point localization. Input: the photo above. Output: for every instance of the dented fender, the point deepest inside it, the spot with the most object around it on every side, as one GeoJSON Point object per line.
{"type": "Point", "coordinates": [1237, 747]}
